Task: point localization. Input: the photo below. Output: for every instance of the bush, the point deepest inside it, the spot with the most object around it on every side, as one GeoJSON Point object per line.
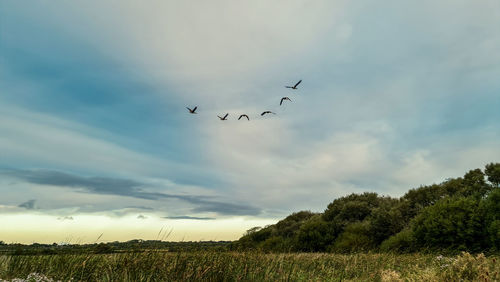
{"type": "Point", "coordinates": [289, 226]}
{"type": "Point", "coordinates": [385, 221]}
{"type": "Point", "coordinates": [351, 208]}
{"type": "Point", "coordinates": [452, 223]}
{"type": "Point", "coordinates": [494, 235]}
{"type": "Point", "coordinates": [355, 238]}
{"type": "Point", "coordinates": [491, 206]}
{"type": "Point", "coordinates": [402, 242]}
{"type": "Point", "coordinates": [273, 244]}
{"type": "Point", "coordinates": [315, 235]}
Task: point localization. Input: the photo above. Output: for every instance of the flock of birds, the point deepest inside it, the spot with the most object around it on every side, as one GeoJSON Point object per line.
{"type": "Point", "coordinates": [193, 110]}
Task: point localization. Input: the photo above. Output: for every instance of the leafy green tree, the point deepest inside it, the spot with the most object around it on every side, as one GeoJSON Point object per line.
{"type": "Point", "coordinates": [494, 234]}
{"type": "Point", "coordinates": [355, 238]}
{"type": "Point", "coordinates": [274, 244]}
{"type": "Point", "coordinates": [492, 170]}
{"type": "Point", "coordinates": [385, 221]}
{"type": "Point", "coordinates": [351, 208]}
{"type": "Point", "coordinates": [424, 196]}
{"type": "Point", "coordinates": [316, 235]}
{"type": "Point", "coordinates": [254, 236]}
{"type": "Point", "coordinates": [452, 223]}
{"type": "Point", "coordinates": [402, 242]}
{"type": "Point", "coordinates": [289, 226]}
{"type": "Point", "coordinates": [475, 184]}
{"type": "Point", "coordinates": [491, 206]}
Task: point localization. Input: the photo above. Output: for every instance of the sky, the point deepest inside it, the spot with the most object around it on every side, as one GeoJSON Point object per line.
{"type": "Point", "coordinates": [95, 137]}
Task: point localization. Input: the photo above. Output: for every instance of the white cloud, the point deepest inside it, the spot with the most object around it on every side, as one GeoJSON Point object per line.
{"type": "Point", "coordinates": [36, 138]}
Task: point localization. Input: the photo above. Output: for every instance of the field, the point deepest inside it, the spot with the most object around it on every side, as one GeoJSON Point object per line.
{"type": "Point", "coordinates": [235, 266]}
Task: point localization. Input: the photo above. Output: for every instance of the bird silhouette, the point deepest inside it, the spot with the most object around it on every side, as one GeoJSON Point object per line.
{"type": "Point", "coordinates": [192, 111]}
{"type": "Point", "coordinates": [283, 99]}
{"type": "Point", "coordinates": [223, 118]}
{"type": "Point", "coordinates": [243, 116]}
{"type": "Point", "coordinates": [295, 86]}
{"type": "Point", "coordinates": [267, 112]}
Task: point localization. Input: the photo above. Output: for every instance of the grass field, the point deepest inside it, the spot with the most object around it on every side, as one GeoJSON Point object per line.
{"type": "Point", "coordinates": [232, 266]}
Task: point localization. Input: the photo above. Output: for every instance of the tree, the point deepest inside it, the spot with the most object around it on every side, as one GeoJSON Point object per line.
{"type": "Point", "coordinates": [289, 226]}
{"type": "Point", "coordinates": [475, 184]}
{"type": "Point", "coordinates": [491, 206]}
{"type": "Point", "coordinates": [355, 238]}
{"type": "Point", "coordinates": [424, 196]}
{"type": "Point", "coordinates": [492, 170]}
{"type": "Point", "coordinates": [351, 208]}
{"type": "Point", "coordinates": [316, 235]}
{"type": "Point", "coordinates": [385, 221]}
{"type": "Point", "coordinates": [452, 223]}
{"type": "Point", "coordinates": [402, 242]}
{"type": "Point", "coordinates": [254, 236]}
{"type": "Point", "coordinates": [458, 214]}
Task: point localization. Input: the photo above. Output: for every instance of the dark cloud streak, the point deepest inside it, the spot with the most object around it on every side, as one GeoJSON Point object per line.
{"type": "Point", "coordinates": [189, 217]}
{"type": "Point", "coordinates": [29, 205]}
{"type": "Point", "coordinates": [123, 187]}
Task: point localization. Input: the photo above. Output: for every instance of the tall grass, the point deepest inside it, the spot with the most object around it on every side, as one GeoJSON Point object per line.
{"type": "Point", "coordinates": [231, 266]}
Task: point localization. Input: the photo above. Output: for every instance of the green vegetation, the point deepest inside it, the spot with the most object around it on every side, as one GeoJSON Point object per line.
{"type": "Point", "coordinates": [234, 266]}
{"type": "Point", "coordinates": [460, 214]}
{"type": "Point", "coordinates": [113, 247]}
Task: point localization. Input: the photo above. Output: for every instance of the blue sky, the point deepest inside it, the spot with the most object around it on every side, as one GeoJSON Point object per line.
{"type": "Point", "coordinates": [94, 127]}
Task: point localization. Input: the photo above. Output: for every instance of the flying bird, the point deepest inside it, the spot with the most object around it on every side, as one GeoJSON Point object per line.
{"type": "Point", "coordinates": [267, 112]}
{"type": "Point", "coordinates": [192, 111]}
{"type": "Point", "coordinates": [223, 118]}
{"type": "Point", "coordinates": [244, 116]}
{"type": "Point", "coordinates": [295, 86]}
{"type": "Point", "coordinates": [283, 99]}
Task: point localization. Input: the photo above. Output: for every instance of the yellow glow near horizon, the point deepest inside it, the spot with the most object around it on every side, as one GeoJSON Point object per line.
{"type": "Point", "coordinates": [27, 229]}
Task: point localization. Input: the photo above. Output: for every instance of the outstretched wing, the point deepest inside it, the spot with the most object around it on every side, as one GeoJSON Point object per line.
{"type": "Point", "coordinates": [297, 83]}
{"type": "Point", "coordinates": [263, 113]}
{"type": "Point", "coordinates": [240, 117]}
{"type": "Point", "coordinates": [195, 108]}
{"type": "Point", "coordinates": [189, 109]}
{"type": "Point", "coordinates": [289, 86]}
{"type": "Point", "coordinates": [283, 99]}
{"type": "Point", "coordinates": [247, 117]}
{"type": "Point", "coordinates": [226, 115]}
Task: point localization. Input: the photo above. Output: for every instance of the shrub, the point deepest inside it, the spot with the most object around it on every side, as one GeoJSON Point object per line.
{"type": "Point", "coordinates": [452, 223]}
{"type": "Point", "coordinates": [315, 235]}
{"type": "Point", "coordinates": [491, 206]}
{"type": "Point", "coordinates": [402, 242]}
{"type": "Point", "coordinates": [355, 238]}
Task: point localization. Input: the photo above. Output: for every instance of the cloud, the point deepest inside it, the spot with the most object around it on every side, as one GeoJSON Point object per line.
{"type": "Point", "coordinates": [126, 188]}
{"type": "Point", "coordinates": [189, 217]}
{"type": "Point", "coordinates": [141, 217]}
{"type": "Point", "coordinates": [40, 138]}
{"type": "Point", "coordinates": [140, 208]}
{"type": "Point", "coordinates": [65, 218]}
{"type": "Point", "coordinates": [29, 205]}
{"type": "Point", "coordinates": [379, 109]}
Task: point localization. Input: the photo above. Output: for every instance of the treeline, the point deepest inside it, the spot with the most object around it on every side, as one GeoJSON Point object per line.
{"type": "Point", "coordinates": [112, 247]}
{"type": "Point", "coordinates": [460, 214]}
